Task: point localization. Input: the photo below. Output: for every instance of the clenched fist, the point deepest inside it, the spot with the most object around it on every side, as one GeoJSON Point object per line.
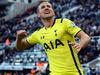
{"type": "Point", "coordinates": [21, 34]}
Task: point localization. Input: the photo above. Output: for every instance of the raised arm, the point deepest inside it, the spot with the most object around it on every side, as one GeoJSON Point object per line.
{"type": "Point", "coordinates": [21, 42]}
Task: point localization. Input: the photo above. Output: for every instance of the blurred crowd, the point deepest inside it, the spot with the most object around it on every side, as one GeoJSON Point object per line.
{"type": "Point", "coordinates": [85, 17]}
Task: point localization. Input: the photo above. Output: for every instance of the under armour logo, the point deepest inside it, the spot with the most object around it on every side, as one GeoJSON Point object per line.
{"type": "Point", "coordinates": [42, 37]}
{"type": "Point", "coordinates": [55, 32]}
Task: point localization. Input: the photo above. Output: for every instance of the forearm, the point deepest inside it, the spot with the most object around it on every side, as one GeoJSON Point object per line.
{"type": "Point", "coordinates": [19, 44]}
{"type": "Point", "coordinates": [84, 40]}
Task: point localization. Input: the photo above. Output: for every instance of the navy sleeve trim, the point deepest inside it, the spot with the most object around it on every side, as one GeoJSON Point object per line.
{"type": "Point", "coordinates": [77, 33]}
{"type": "Point", "coordinates": [61, 20]}
{"type": "Point", "coordinates": [28, 42]}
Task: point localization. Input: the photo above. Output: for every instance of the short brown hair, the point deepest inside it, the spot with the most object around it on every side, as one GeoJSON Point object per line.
{"type": "Point", "coordinates": [41, 1]}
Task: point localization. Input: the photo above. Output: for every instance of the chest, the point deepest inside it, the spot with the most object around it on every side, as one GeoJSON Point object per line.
{"type": "Point", "coordinates": [51, 34]}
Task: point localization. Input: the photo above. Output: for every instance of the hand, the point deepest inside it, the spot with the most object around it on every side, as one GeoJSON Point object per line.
{"type": "Point", "coordinates": [75, 45]}
{"type": "Point", "coordinates": [21, 34]}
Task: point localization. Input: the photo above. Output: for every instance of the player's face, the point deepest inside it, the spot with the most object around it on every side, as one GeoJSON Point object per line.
{"type": "Point", "coordinates": [45, 10]}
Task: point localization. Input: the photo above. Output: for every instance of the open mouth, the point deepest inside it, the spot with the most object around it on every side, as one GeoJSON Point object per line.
{"type": "Point", "coordinates": [47, 12]}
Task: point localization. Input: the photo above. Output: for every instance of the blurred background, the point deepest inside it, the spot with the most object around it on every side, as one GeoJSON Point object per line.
{"type": "Point", "coordinates": [21, 14]}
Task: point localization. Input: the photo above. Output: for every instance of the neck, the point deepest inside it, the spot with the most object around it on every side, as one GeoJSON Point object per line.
{"type": "Point", "coordinates": [47, 22]}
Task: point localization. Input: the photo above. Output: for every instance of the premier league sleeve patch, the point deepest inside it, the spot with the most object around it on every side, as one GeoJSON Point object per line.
{"type": "Point", "coordinates": [73, 24]}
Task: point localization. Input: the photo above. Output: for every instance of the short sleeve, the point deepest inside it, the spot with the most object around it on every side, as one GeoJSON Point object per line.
{"type": "Point", "coordinates": [70, 27]}
{"type": "Point", "coordinates": [32, 39]}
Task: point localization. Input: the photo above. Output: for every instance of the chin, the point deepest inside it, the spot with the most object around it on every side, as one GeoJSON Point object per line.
{"type": "Point", "coordinates": [49, 16]}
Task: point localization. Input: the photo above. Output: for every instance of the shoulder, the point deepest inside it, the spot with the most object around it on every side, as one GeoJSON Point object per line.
{"type": "Point", "coordinates": [63, 20]}
{"type": "Point", "coordinates": [66, 20]}
{"type": "Point", "coordinates": [38, 29]}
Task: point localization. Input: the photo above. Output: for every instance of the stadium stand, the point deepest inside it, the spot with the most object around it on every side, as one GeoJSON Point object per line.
{"type": "Point", "coordinates": [85, 13]}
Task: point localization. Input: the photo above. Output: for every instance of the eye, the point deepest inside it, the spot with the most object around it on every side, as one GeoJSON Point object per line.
{"type": "Point", "coordinates": [42, 7]}
{"type": "Point", "coordinates": [48, 6]}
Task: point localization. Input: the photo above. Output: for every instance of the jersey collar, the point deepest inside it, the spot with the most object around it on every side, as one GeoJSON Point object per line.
{"type": "Point", "coordinates": [52, 24]}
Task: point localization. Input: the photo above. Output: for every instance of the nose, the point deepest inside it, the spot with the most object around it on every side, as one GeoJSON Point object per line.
{"type": "Point", "coordinates": [46, 7]}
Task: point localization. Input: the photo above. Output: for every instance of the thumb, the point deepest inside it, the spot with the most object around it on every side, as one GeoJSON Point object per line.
{"type": "Point", "coordinates": [72, 43]}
